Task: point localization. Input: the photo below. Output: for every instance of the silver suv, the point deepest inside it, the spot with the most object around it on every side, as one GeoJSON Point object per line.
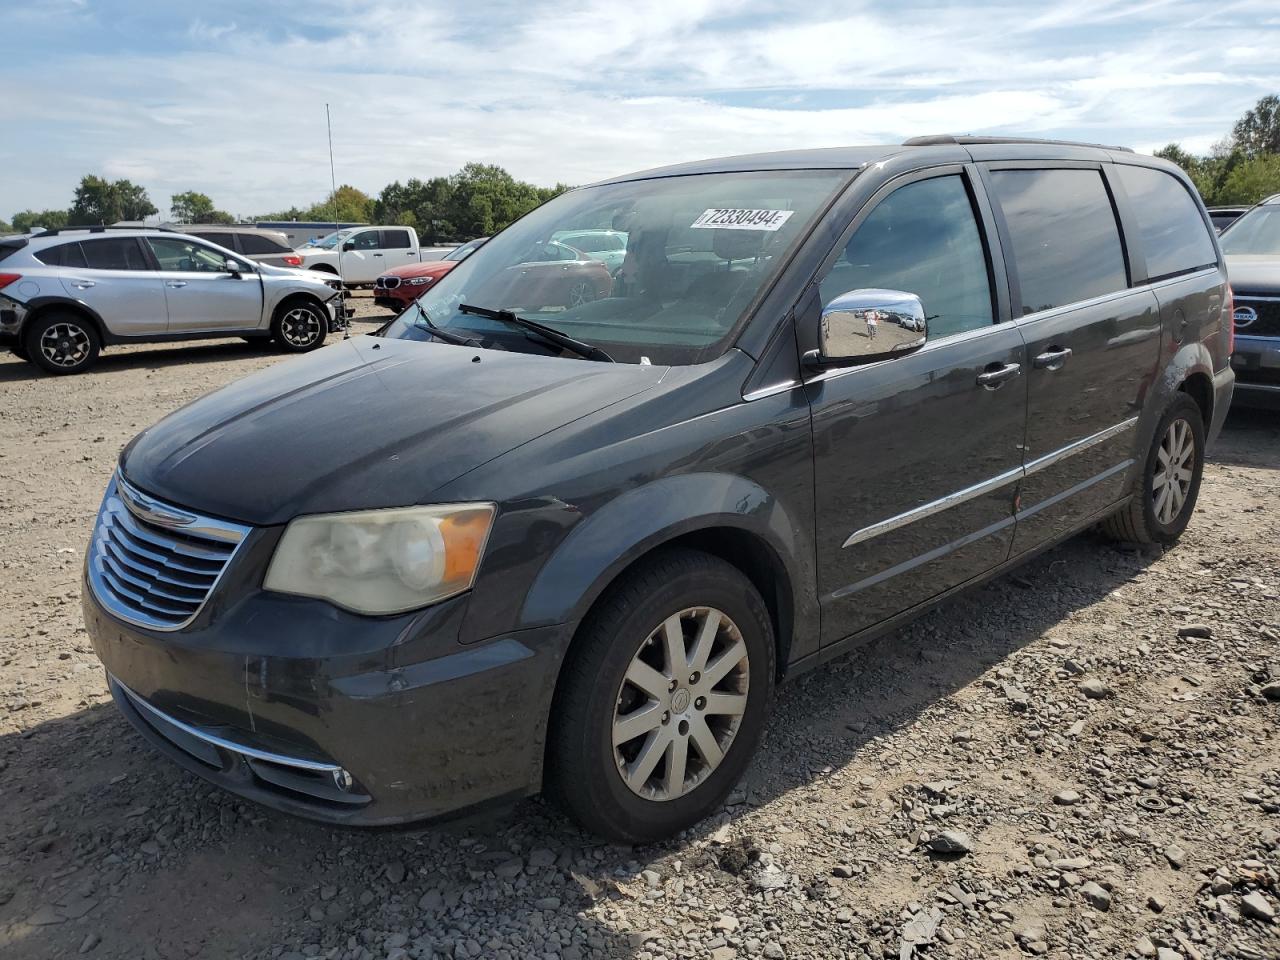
{"type": "Point", "coordinates": [64, 294]}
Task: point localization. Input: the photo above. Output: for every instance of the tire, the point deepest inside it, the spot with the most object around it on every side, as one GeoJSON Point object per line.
{"type": "Point", "coordinates": [1158, 512]}
{"type": "Point", "coordinates": [61, 342]}
{"type": "Point", "coordinates": [299, 326]}
{"type": "Point", "coordinates": [625, 633]}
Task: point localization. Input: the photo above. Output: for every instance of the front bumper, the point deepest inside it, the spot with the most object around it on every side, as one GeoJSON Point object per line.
{"type": "Point", "coordinates": [1256, 362]}
{"type": "Point", "coordinates": [272, 696]}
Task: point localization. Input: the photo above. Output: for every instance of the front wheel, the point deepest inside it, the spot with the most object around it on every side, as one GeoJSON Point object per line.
{"type": "Point", "coordinates": [663, 700]}
{"type": "Point", "coordinates": [299, 327]}
{"type": "Point", "coordinates": [1167, 490]}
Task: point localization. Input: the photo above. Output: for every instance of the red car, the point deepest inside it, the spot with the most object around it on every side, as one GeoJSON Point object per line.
{"type": "Point", "coordinates": [398, 288]}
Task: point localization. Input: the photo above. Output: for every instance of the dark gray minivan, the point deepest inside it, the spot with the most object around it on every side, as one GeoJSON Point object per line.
{"type": "Point", "coordinates": [507, 545]}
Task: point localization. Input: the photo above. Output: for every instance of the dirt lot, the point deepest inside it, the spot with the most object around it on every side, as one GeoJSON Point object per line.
{"type": "Point", "coordinates": [1109, 786]}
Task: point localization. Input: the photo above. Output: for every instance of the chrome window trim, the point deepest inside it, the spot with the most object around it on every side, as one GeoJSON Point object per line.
{"type": "Point", "coordinates": [134, 501]}
{"type": "Point", "coordinates": [1245, 296]}
{"type": "Point", "coordinates": [220, 742]}
{"type": "Point", "coordinates": [994, 483]}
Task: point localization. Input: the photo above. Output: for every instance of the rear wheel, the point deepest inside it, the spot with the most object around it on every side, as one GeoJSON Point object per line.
{"type": "Point", "coordinates": [61, 342]}
{"type": "Point", "coordinates": [299, 326]}
{"type": "Point", "coordinates": [1166, 496]}
{"type": "Point", "coordinates": [663, 701]}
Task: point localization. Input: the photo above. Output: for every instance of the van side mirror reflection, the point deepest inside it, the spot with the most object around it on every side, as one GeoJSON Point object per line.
{"type": "Point", "coordinates": [863, 326]}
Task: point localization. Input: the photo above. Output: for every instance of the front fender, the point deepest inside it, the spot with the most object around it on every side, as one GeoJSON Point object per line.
{"type": "Point", "coordinates": [601, 546]}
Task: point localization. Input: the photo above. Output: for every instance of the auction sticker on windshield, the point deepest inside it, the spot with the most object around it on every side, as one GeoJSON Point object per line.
{"type": "Point", "coordinates": [734, 218]}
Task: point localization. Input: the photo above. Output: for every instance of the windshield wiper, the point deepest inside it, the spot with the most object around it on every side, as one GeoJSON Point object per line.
{"type": "Point", "coordinates": [440, 333]}
{"type": "Point", "coordinates": [580, 347]}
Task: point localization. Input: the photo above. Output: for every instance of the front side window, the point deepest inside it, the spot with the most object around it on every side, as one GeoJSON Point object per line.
{"type": "Point", "coordinates": [1066, 243]}
{"type": "Point", "coordinates": [366, 241]}
{"type": "Point", "coordinates": [699, 251]}
{"type": "Point", "coordinates": [1174, 237]}
{"type": "Point", "coordinates": [114, 253]}
{"type": "Point", "coordinates": [464, 251]}
{"type": "Point", "coordinates": [1256, 234]}
{"type": "Point", "coordinates": [183, 256]}
{"type": "Point", "coordinates": [923, 239]}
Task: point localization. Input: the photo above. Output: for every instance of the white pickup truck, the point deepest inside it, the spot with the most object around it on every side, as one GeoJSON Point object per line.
{"type": "Point", "coordinates": [362, 254]}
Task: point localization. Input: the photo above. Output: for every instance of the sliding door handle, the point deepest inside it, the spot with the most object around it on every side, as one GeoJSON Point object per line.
{"type": "Point", "coordinates": [1052, 359]}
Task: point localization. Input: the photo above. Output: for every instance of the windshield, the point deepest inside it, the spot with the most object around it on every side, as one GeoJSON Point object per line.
{"type": "Point", "coordinates": [1257, 233]}
{"type": "Point", "coordinates": [331, 240]}
{"type": "Point", "coordinates": [697, 252]}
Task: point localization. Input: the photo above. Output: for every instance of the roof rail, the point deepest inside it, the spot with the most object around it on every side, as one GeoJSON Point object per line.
{"type": "Point", "coordinates": [942, 138]}
{"type": "Point", "coordinates": [96, 228]}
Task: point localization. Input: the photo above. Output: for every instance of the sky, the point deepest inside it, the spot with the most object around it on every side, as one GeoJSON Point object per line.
{"type": "Point", "coordinates": [229, 98]}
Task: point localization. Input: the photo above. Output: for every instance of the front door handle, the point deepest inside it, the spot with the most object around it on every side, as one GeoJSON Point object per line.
{"type": "Point", "coordinates": [83, 284]}
{"type": "Point", "coordinates": [1053, 358]}
{"type": "Point", "coordinates": [377, 254]}
{"type": "Point", "coordinates": [175, 283]}
{"type": "Point", "coordinates": [994, 377]}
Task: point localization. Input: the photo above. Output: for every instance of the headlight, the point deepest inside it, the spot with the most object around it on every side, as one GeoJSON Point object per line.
{"type": "Point", "coordinates": [419, 281]}
{"type": "Point", "coordinates": [383, 561]}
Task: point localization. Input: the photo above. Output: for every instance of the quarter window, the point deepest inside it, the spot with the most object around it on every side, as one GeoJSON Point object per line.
{"type": "Point", "coordinates": [1066, 243]}
{"type": "Point", "coordinates": [114, 253]}
{"type": "Point", "coordinates": [1174, 237]}
{"type": "Point", "coordinates": [923, 239]}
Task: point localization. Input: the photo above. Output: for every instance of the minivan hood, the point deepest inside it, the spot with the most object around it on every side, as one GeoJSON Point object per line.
{"type": "Point", "coordinates": [361, 424]}
{"type": "Point", "coordinates": [1253, 273]}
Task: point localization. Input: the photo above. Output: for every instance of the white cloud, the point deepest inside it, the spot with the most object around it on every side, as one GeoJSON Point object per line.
{"type": "Point", "coordinates": [237, 110]}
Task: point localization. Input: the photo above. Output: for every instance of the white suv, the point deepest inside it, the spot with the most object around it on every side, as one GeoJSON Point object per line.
{"type": "Point", "coordinates": [64, 294]}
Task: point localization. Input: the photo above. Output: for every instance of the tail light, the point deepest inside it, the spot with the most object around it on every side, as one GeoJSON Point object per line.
{"type": "Point", "coordinates": [293, 260]}
{"type": "Point", "coordinates": [1231, 320]}
{"type": "Point", "coordinates": [8, 278]}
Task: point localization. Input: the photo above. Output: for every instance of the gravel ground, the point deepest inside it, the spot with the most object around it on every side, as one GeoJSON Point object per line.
{"type": "Point", "coordinates": [1078, 760]}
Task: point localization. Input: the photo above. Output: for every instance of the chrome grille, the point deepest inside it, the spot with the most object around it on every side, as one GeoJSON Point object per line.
{"type": "Point", "coordinates": [1265, 316]}
{"type": "Point", "coordinates": [153, 564]}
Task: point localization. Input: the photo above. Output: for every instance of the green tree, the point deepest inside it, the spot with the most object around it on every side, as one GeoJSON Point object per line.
{"type": "Point", "coordinates": [193, 207]}
{"type": "Point", "coordinates": [424, 205]}
{"type": "Point", "coordinates": [6, 227]}
{"type": "Point", "coordinates": [48, 219]}
{"type": "Point", "coordinates": [1251, 180]}
{"type": "Point", "coordinates": [344, 204]}
{"type": "Point", "coordinates": [98, 200]}
{"type": "Point", "coordinates": [1258, 131]}
{"type": "Point", "coordinates": [487, 198]}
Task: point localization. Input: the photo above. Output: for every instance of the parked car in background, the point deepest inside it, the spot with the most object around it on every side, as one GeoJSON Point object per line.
{"type": "Point", "coordinates": [607, 246]}
{"type": "Point", "coordinates": [362, 254]}
{"type": "Point", "coordinates": [301, 232]}
{"type": "Point", "coordinates": [1252, 246]}
{"type": "Point", "coordinates": [1223, 217]}
{"type": "Point", "coordinates": [66, 293]}
{"type": "Point", "coordinates": [398, 288]}
{"type": "Point", "coordinates": [492, 551]}
{"type": "Point", "coordinates": [262, 246]}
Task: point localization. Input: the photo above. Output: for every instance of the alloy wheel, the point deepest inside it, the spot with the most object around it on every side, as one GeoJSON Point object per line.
{"type": "Point", "coordinates": [300, 327]}
{"type": "Point", "coordinates": [680, 703]}
{"type": "Point", "coordinates": [65, 345]}
{"type": "Point", "coordinates": [580, 293]}
{"type": "Point", "coordinates": [1175, 467]}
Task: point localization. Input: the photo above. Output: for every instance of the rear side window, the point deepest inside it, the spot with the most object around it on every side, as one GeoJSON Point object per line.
{"type": "Point", "coordinates": [1174, 237]}
{"type": "Point", "coordinates": [1066, 243]}
{"type": "Point", "coordinates": [221, 239]}
{"type": "Point", "coordinates": [258, 243]}
{"type": "Point", "coordinates": [63, 255]}
{"type": "Point", "coordinates": [395, 239]}
{"type": "Point", "coordinates": [114, 253]}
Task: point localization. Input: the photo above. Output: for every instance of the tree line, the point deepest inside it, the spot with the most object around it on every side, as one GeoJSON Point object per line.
{"type": "Point", "coordinates": [1242, 168]}
{"type": "Point", "coordinates": [478, 200]}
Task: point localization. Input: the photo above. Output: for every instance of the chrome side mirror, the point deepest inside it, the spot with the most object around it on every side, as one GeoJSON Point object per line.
{"type": "Point", "coordinates": [863, 326]}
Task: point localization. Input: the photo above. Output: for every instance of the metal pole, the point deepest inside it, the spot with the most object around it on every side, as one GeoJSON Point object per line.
{"type": "Point", "coordinates": [333, 198]}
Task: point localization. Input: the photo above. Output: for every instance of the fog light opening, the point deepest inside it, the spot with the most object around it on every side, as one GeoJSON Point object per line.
{"type": "Point", "coordinates": [342, 780]}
